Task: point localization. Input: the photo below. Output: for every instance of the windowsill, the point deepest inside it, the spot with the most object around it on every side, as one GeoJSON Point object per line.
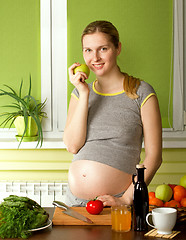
{"type": "Point", "coordinates": [53, 143]}
{"type": "Point", "coordinates": [174, 139]}
{"type": "Point", "coordinates": [171, 139]}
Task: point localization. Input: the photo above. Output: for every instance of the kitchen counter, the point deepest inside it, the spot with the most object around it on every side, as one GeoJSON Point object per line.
{"type": "Point", "coordinates": [94, 233]}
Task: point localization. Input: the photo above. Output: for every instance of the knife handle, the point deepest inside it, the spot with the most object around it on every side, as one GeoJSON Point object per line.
{"type": "Point", "coordinates": [60, 204]}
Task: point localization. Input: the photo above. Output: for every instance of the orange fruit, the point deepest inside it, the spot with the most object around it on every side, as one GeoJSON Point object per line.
{"type": "Point", "coordinates": [179, 193]}
{"type": "Point", "coordinates": [183, 202]}
{"type": "Point", "coordinates": [166, 204]}
{"type": "Point", "coordinates": [172, 203]}
{"type": "Point", "coordinates": [151, 195]}
{"type": "Point", "coordinates": [156, 202]}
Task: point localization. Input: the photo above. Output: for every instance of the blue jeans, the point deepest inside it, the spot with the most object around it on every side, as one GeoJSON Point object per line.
{"type": "Point", "coordinates": [73, 201]}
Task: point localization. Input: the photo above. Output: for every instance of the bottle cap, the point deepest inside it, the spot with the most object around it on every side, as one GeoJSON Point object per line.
{"type": "Point", "coordinates": [140, 166]}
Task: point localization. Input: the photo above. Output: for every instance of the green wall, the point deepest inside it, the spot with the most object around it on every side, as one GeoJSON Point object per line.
{"type": "Point", "coordinates": [52, 165]}
{"type": "Point", "coordinates": [20, 45]}
{"type": "Point", "coordinates": [145, 27]}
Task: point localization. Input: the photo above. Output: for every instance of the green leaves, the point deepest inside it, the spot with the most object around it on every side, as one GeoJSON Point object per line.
{"type": "Point", "coordinates": [23, 106]}
{"type": "Point", "coordinates": [20, 214]}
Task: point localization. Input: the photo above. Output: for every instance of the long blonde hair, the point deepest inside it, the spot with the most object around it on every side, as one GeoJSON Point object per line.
{"type": "Point", "coordinates": [131, 84]}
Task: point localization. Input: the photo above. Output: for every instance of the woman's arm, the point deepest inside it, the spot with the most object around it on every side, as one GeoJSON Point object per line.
{"type": "Point", "coordinates": [152, 129]}
{"type": "Point", "coordinates": [76, 125]}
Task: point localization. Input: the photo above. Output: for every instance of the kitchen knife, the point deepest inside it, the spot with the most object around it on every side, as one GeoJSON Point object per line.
{"type": "Point", "coordinates": [69, 211]}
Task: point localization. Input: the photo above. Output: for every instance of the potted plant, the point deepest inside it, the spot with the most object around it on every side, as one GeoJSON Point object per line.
{"type": "Point", "coordinates": [26, 116]}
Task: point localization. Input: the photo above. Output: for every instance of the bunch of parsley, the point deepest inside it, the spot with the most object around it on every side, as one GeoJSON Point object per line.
{"type": "Point", "coordinates": [20, 214]}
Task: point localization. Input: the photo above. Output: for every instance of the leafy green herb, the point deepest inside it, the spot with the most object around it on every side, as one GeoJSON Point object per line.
{"type": "Point", "coordinates": [20, 214]}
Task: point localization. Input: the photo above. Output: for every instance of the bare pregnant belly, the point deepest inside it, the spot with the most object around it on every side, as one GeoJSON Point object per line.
{"type": "Point", "coordinates": [88, 179]}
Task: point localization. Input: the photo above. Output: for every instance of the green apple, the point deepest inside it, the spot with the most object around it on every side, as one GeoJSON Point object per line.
{"type": "Point", "coordinates": [183, 181]}
{"type": "Point", "coordinates": [163, 192]}
{"type": "Point", "coordinates": [82, 68]}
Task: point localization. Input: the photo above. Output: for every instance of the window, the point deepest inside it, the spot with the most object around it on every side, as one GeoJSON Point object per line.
{"type": "Point", "coordinates": [178, 97]}
{"type": "Point", "coordinates": [176, 137]}
{"type": "Point", "coordinates": [53, 29]}
{"type": "Point", "coordinates": [54, 64]}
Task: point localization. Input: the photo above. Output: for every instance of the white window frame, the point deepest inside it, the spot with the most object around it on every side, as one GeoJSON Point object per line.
{"type": "Point", "coordinates": [176, 137]}
{"type": "Point", "coordinates": [178, 98]}
{"type": "Point", "coordinates": [53, 19]}
{"type": "Point", "coordinates": [54, 65]}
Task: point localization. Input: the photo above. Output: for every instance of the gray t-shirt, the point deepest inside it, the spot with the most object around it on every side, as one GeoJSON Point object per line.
{"type": "Point", "coordinates": [114, 128]}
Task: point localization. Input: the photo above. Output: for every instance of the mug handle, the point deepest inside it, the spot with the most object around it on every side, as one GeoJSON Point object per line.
{"type": "Point", "coordinates": [148, 220]}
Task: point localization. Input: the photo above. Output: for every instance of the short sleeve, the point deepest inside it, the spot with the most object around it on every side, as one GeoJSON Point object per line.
{"type": "Point", "coordinates": [75, 93]}
{"type": "Point", "coordinates": [145, 91]}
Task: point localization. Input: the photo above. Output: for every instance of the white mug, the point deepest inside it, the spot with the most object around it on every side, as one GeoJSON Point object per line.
{"type": "Point", "coordinates": [164, 219]}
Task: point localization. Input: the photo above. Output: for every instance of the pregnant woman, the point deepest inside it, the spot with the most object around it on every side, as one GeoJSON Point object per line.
{"type": "Point", "coordinates": [107, 121]}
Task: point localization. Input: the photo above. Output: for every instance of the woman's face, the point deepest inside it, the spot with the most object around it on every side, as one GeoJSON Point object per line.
{"type": "Point", "coordinates": [99, 53]}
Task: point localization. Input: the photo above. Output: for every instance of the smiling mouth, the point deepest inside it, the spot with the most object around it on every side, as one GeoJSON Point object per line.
{"type": "Point", "coordinates": [98, 66]}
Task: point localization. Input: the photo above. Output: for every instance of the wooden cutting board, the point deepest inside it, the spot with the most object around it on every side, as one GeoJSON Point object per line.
{"type": "Point", "coordinates": [60, 218]}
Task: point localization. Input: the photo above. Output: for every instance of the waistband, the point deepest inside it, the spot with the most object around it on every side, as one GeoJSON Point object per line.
{"type": "Point", "coordinates": [73, 201]}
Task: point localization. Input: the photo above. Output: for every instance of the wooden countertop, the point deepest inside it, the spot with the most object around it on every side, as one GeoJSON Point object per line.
{"type": "Point", "coordinates": [94, 233]}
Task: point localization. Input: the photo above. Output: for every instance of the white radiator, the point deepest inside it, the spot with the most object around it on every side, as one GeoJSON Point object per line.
{"type": "Point", "coordinates": [43, 193]}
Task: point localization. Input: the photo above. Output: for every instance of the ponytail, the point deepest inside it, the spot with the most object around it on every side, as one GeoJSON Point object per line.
{"type": "Point", "coordinates": [131, 85]}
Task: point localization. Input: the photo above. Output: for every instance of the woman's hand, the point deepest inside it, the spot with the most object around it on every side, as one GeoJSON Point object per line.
{"type": "Point", "coordinates": [75, 131]}
{"type": "Point", "coordinates": [78, 79]}
{"type": "Point", "coordinates": [109, 200]}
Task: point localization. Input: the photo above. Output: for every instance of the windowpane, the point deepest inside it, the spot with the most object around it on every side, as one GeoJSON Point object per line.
{"type": "Point", "coordinates": [20, 46]}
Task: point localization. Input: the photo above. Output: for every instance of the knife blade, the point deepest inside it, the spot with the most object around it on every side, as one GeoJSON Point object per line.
{"type": "Point", "coordinates": [69, 211]}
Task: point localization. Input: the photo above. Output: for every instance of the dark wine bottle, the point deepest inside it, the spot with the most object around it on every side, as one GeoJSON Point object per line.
{"type": "Point", "coordinates": [140, 200]}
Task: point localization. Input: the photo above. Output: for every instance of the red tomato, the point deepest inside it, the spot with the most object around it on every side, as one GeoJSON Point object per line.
{"type": "Point", "coordinates": [94, 207]}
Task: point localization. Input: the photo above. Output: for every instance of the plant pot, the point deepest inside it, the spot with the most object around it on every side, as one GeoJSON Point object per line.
{"type": "Point", "coordinates": [31, 133]}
